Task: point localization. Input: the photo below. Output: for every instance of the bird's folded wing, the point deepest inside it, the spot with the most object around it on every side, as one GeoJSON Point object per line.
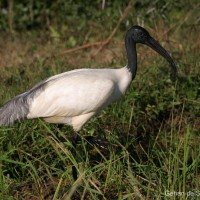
{"type": "Point", "coordinates": [71, 96]}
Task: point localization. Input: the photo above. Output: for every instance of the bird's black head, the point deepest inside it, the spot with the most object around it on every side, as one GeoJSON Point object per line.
{"type": "Point", "coordinates": [137, 34]}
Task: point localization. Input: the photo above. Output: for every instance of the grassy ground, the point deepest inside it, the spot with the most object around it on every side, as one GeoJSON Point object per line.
{"type": "Point", "coordinates": [155, 126]}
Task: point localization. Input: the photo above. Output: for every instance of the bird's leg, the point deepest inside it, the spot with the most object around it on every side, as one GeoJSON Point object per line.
{"type": "Point", "coordinates": [74, 140]}
{"type": "Point", "coordinates": [73, 151]}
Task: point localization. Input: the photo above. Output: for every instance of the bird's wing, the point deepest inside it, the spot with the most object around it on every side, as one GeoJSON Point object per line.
{"type": "Point", "coordinates": [72, 96]}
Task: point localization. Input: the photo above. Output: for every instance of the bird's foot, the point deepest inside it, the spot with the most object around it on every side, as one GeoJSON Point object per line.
{"type": "Point", "coordinates": [101, 143]}
{"type": "Point", "coordinates": [98, 142]}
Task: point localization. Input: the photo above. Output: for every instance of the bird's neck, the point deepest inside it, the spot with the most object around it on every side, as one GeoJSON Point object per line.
{"type": "Point", "coordinates": [131, 55]}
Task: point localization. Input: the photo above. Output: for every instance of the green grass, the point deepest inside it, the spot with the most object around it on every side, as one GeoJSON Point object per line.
{"type": "Point", "coordinates": [155, 128]}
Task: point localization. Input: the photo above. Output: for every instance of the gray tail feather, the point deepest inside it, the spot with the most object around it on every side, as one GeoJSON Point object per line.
{"type": "Point", "coordinates": [13, 110]}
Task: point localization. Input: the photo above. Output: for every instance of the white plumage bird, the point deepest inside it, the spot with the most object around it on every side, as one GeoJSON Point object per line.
{"type": "Point", "coordinates": [74, 97]}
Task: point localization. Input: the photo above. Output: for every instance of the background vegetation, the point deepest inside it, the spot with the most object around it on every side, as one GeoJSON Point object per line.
{"type": "Point", "coordinates": [154, 129]}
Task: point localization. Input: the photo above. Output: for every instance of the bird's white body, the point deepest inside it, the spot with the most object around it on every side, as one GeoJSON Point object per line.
{"type": "Point", "coordinates": [74, 97]}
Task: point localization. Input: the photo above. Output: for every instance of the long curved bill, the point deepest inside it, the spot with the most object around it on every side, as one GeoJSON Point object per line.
{"type": "Point", "coordinates": [159, 49]}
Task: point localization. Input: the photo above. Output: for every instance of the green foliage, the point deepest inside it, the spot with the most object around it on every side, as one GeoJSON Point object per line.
{"type": "Point", "coordinates": [29, 14]}
{"type": "Point", "coordinates": [41, 14]}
